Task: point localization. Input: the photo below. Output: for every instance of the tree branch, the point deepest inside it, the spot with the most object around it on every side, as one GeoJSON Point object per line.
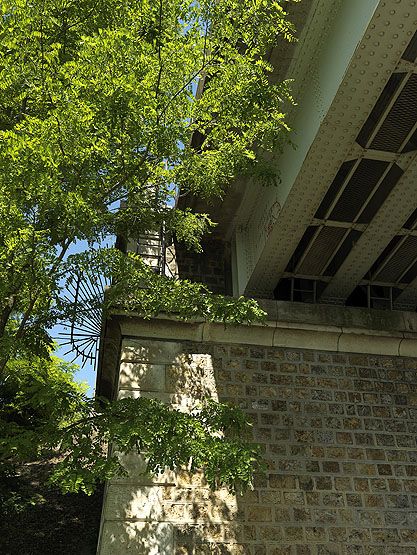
{"type": "Point", "coordinates": [158, 81]}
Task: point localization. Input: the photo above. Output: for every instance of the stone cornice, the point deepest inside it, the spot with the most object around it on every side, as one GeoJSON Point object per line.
{"type": "Point", "coordinates": [292, 325]}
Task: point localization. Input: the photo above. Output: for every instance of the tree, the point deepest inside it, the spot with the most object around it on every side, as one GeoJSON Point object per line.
{"type": "Point", "coordinates": [97, 107]}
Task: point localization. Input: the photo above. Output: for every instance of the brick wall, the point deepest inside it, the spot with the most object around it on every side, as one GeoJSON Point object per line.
{"type": "Point", "coordinates": [211, 267]}
{"type": "Point", "coordinates": [339, 434]}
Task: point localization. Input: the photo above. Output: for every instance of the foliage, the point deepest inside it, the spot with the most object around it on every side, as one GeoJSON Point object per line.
{"type": "Point", "coordinates": [137, 288]}
{"type": "Point", "coordinates": [98, 107]}
{"type": "Point", "coordinates": [38, 397]}
{"type": "Point", "coordinates": [44, 411]}
{"type": "Point", "coordinates": [168, 438]}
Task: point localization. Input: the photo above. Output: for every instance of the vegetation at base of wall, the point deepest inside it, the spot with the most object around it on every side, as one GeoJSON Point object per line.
{"type": "Point", "coordinates": [97, 108]}
{"type": "Point", "coordinates": [36, 518]}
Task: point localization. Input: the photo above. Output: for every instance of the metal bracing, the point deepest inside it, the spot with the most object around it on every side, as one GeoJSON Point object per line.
{"type": "Point", "coordinates": [387, 222]}
{"type": "Point", "coordinates": [408, 298]}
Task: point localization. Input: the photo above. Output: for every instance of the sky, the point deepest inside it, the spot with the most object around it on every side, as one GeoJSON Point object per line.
{"type": "Point", "coordinates": [86, 373]}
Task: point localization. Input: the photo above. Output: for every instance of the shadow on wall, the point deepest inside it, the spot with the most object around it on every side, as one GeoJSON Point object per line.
{"type": "Point", "coordinates": [170, 512]}
{"type": "Point", "coordinates": [184, 518]}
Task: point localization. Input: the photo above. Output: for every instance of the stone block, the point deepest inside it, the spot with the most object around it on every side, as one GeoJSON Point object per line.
{"type": "Point", "coordinates": [374, 501]}
{"type": "Point", "coordinates": [282, 482]}
{"type": "Point", "coordinates": [129, 502]}
{"type": "Point", "coordinates": [259, 514]}
{"type": "Point", "coordinates": [270, 497]}
{"type": "Point", "coordinates": [144, 350]}
{"type": "Point", "coordinates": [271, 533]}
{"type": "Point", "coordinates": [353, 500]}
{"type": "Point", "coordinates": [315, 533]}
{"type": "Point", "coordinates": [293, 533]}
{"type": "Point", "coordinates": [396, 518]}
{"type": "Point", "coordinates": [135, 465]}
{"type": "Point", "coordinates": [144, 376]}
{"type": "Point", "coordinates": [141, 538]}
{"type": "Point", "coordinates": [337, 535]}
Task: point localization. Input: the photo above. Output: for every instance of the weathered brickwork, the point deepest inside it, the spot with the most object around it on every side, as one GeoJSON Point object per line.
{"type": "Point", "coordinates": [339, 435]}
{"type": "Point", "coordinates": [210, 267]}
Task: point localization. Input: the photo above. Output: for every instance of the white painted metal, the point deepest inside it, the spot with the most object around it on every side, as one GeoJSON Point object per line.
{"type": "Point", "coordinates": [349, 69]}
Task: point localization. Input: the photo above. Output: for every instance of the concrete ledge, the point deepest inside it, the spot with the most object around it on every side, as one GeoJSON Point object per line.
{"type": "Point", "coordinates": [307, 339]}
{"type": "Point", "coordinates": [408, 347]}
{"type": "Point", "coordinates": [370, 344]}
{"type": "Point", "coordinates": [246, 335]}
{"type": "Point", "coordinates": [162, 328]}
{"type": "Point", "coordinates": [344, 316]}
{"type": "Point", "coordinates": [296, 325]}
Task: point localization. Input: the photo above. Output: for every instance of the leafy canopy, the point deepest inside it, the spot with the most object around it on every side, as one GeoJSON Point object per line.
{"type": "Point", "coordinates": [98, 108]}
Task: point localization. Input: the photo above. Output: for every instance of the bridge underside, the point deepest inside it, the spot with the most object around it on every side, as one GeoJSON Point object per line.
{"type": "Point", "coordinates": [340, 226]}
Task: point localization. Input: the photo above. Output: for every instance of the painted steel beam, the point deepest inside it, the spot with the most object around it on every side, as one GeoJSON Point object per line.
{"type": "Point", "coordinates": [353, 63]}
